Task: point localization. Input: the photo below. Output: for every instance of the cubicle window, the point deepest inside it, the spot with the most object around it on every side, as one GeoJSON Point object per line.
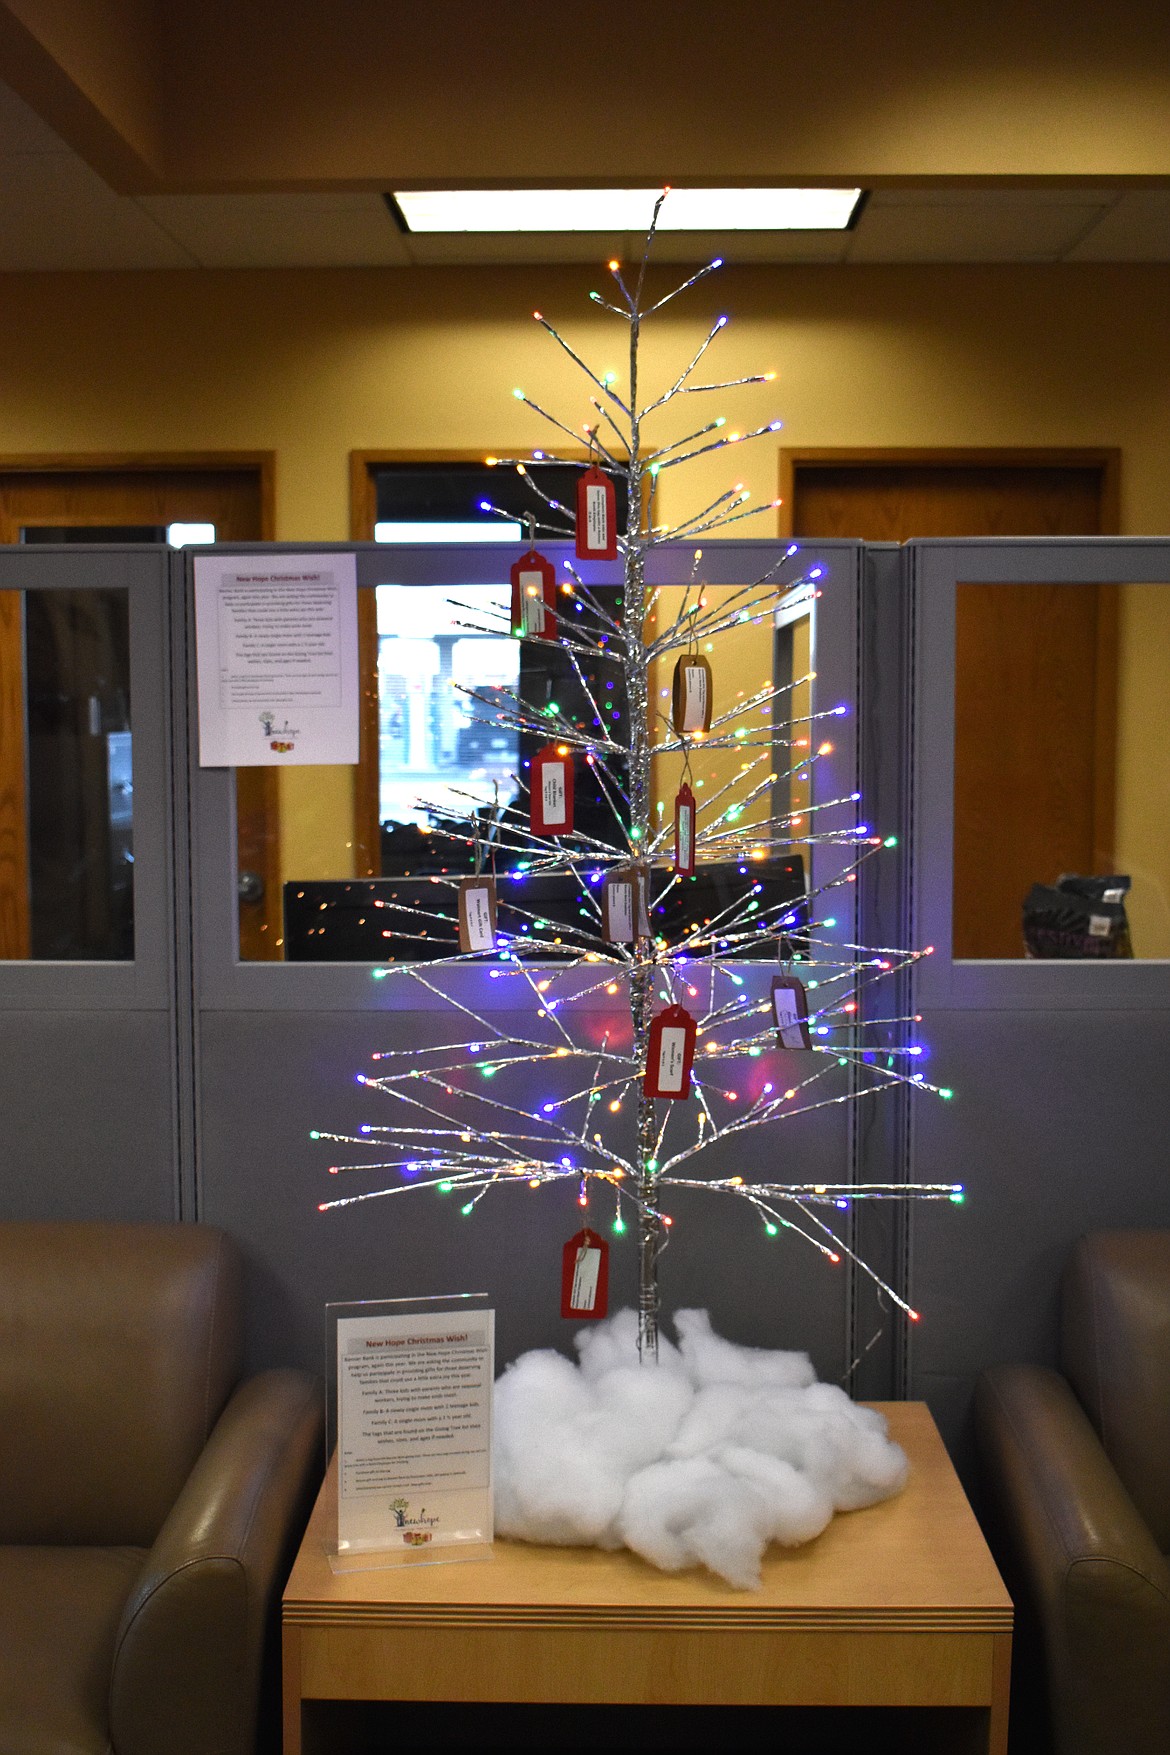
{"type": "Point", "coordinates": [339, 851]}
{"type": "Point", "coordinates": [447, 665]}
{"type": "Point", "coordinates": [1061, 773]}
{"type": "Point", "coordinates": [66, 776]}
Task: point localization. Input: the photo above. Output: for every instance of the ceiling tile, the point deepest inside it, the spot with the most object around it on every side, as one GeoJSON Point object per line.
{"type": "Point", "coordinates": [1135, 229]}
{"type": "Point", "coordinates": [21, 129]}
{"type": "Point", "coordinates": [282, 231]}
{"type": "Point", "coordinates": [988, 198]}
{"type": "Point", "coordinates": [55, 213]}
{"type": "Point", "coordinates": [972, 226]}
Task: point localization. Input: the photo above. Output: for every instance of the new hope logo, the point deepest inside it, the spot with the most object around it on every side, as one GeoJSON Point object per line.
{"type": "Point", "coordinates": [280, 736]}
{"type": "Point", "coordinates": [415, 1529]}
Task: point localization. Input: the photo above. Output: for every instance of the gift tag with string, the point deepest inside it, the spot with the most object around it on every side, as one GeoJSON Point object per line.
{"type": "Point", "coordinates": [596, 517]}
{"type": "Point", "coordinates": [684, 831]}
{"type": "Point", "coordinates": [585, 1276]}
{"type": "Point", "coordinates": [691, 694]}
{"type": "Point", "coordinates": [534, 594]}
{"type": "Point", "coordinates": [550, 792]}
{"type": "Point", "coordinates": [625, 911]}
{"type": "Point", "coordinates": [790, 1011]}
{"type": "Point", "coordinates": [670, 1053]}
{"type": "Point", "coordinates": [477, 913]}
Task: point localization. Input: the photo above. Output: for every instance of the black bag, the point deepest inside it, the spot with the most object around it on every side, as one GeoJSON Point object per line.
{"type": "Point", "coordinates": [1077, 917]}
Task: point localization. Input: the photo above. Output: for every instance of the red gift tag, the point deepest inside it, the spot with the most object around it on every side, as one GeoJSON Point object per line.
{"type": "Point", "coordinates": [534, 597]}
{"type": "Point", "coordinates": [596, 517]}
{"type": "Point", "coordinates": [585, 1276]}
{"type": "Point", "coordinates": [550, 791]}
{"type": "Point", "coordinates": [691, 694]}
{"type": "Point", "coordinates": [790, 1009]}
{"type": "Point", "coordinates": [670, 1052]}
{"type": "Point", "coordinates": [684, 832]}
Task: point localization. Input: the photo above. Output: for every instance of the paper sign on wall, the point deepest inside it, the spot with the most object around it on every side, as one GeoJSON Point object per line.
{"type": "Point", "coordinates": [276, 646]}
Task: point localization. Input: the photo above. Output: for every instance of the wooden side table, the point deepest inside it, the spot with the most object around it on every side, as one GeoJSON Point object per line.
{"type": "Point", "coordinates": [896, 1605]}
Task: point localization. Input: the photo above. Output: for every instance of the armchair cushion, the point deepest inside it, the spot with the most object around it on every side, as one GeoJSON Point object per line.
{"type": "Point", "coordinates": [1094, 1577]}
{"type": "Point", "coordinates": [59, 1614]}
{"type": "Point", "coordinates": [119, 1345]}
{"type": "Point", "coordinates": [1115, 1351]}
{"type": "Point", "coordinates": [146, 1519]}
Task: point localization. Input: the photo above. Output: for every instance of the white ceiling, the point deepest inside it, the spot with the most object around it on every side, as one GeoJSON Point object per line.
{"type": "Point", "coordinates": [57, 213]}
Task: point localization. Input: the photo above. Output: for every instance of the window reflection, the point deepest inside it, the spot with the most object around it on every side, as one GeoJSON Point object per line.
{"type": "Point", "coordinates": [66, 776]}
{"type": "Point", "coordinates": [446, 668]}
{"type": "Point", "coordinates": [1062, 785]}
{"type": "Point", "coordinates": [441, 687]}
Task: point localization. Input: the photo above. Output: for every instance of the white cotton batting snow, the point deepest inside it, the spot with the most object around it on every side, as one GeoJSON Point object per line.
{"type": "Point", "coordinates": [704, 1458]}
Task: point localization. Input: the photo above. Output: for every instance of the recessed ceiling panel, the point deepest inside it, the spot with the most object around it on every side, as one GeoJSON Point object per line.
{"type": "Point", "coordinates": [1135, 229]}
{"type": "Point", "coordinates": [55, 213]}
{"type": "Point", "coordinates": [21, 129]}
{"type": "Point", "coordinates": [282, 231]}
{"type": "Point", "coordinates": [1006, 225]}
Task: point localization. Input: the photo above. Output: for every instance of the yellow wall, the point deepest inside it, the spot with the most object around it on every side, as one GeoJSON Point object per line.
{"type": "Point", "coordinates": [741, 660]}
{"type": "Point", "coordinates": [314, 363]}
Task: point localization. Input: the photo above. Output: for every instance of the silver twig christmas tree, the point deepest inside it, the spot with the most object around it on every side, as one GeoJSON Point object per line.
{"type": "Point", "coordinates": [679, 1018]}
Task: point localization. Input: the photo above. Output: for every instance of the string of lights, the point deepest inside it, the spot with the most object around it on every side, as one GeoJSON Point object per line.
{"type": "Point", "coordinates": [651, 1046]}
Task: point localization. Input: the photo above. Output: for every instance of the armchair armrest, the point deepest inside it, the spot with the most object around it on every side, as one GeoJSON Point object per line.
{"type": "Point", "coordinates": [191, 1645]}
{"type": "Point", "coordinates": [1097, 1584]}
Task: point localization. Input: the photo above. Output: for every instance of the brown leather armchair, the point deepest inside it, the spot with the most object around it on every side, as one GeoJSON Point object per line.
{"type": "Point", "coordinates": [149, 1503]}
{"type": "Point", "coordinates": [1077, 1471]}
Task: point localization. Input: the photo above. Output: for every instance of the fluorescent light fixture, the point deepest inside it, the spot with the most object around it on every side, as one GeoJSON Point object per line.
{"type": "Point", "coordinates": [179, 535]}
{"type": "Point", "coordinates": [626, 210]}
{"type": "Point", "coordinates": [471, 531]}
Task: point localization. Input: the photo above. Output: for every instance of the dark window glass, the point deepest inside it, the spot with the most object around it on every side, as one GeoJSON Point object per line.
{"type": "Point", "coordinates": [34, 533]}
{"type": "Point", "coordinates": [79, 774]}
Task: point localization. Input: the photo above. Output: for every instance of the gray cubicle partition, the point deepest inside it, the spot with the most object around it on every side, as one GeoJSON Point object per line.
{"type": "Point", "coordinates": [94, 1069]}
{"type": "Point", "coordinates": [279, 1045]}
{"type": "Point", "coordinates": [1058, 1125]}
{"type": "Point", "coordinates": [186, 1082]}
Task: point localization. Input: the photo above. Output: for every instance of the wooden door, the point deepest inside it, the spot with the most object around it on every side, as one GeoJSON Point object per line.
{"type": "Point", "coordinates": [127, 498]}
{"type": "Point", "coordinates": [1035, 665]}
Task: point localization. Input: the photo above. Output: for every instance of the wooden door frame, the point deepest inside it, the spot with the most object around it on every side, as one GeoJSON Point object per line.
{"type": "Point", "coordinates": [1106, 462]}
{"type": "Point", "coordinates": [1105, 458]}
{"type": "Point", "coordinates": [155, 463]}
